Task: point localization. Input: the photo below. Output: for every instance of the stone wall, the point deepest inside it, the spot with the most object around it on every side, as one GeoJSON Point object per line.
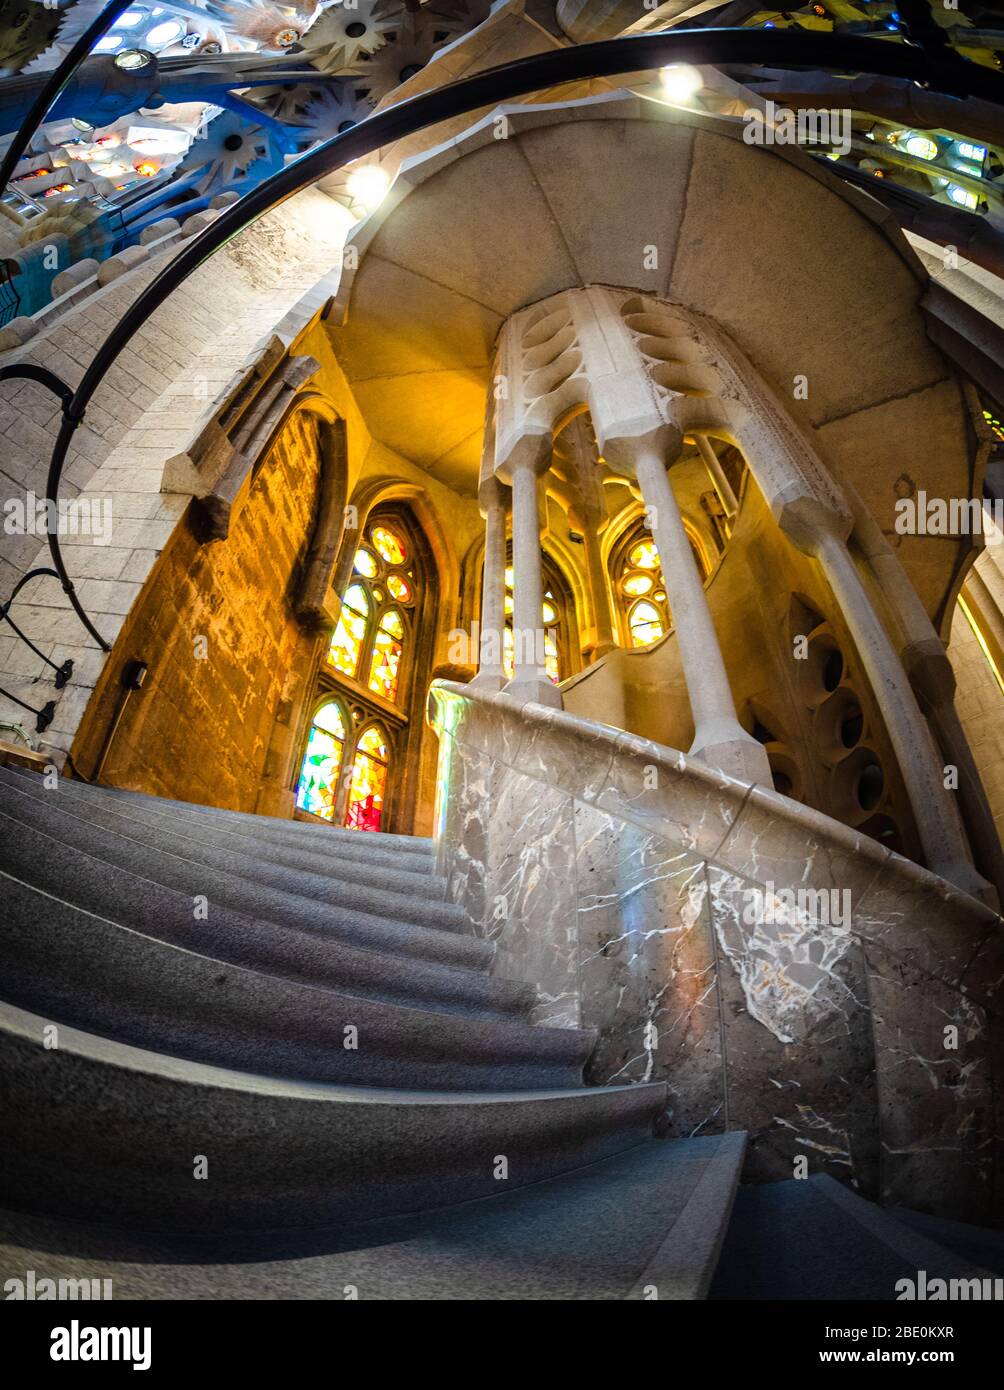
{"type": "Point", "coordinates": [632, 885]}
{"type": "Point", "coordinates": [217, 626]}
{"type": "Point", "coordinates": [147, 409]}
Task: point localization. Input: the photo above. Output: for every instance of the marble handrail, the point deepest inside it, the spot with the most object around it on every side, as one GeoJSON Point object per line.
{"type": "Point", "coordinates": [782, 972]}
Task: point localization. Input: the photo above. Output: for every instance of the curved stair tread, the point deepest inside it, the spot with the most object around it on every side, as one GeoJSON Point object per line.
{"type": "Point", "coordinates": [589, 1234]}
{"type": "Point", "coordinates": [86, 970]}
{"type": "Point", "coordinates": [283, 1153]}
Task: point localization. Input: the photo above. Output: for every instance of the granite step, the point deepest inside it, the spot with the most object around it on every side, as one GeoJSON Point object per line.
{"type": "Point", "coordinates": [600, 1232]}
{"type": "Point", "coordinates": [101, 1130]}
{"type": "Point", "coordinates": [139, 854]}
{"type": "Point", "coordinates": [103, 888]}
{"type": "Point", "coordinates": [413, 852]}
{"type": "Point", "coordinates": [816, 1239]}
{"type": "Point", "coordinates": [311, 854]}
{"type": "Point", "coordinates": [197, 846]}
{"type": "Point", "coordinates": [74, 967]}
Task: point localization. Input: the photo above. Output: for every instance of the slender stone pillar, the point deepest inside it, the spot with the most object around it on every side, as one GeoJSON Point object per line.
{"type": "Point", "coordinates": [930, 673]}
{"type": "Point", "coordinates": [493, 498]}
{"type": "Point", "coordinates": [597, 582]}
{"type": "Point", "coordinates": [529, 680]}
{"type": "Point", "coordinates": [723, 487]}
{"type": "Point", "coordinates": [938, 822]}
{"type": "Point", "coordinates": [719, 738]}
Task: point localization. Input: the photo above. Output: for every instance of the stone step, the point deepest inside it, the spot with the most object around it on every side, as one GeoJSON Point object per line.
{"type": "Point", "coordinates": [74, 967]}
{"type": "Point", "coordinates": [199, 847]}
{"type": "Point", "coordinates": [598, 1232]}
{"type": "Point", "coordinates": [816, 1239]}
{"type": "Point", "coordinates": [308, 956]}
{"type": "Point", "coordinates": [411, 852]}
{"type": "Point", "coordinates": [381, 871]}
{"type": "Point", "coordinates": [100, 1130]}
{"type": "Point", "coordinates": [139, 854]}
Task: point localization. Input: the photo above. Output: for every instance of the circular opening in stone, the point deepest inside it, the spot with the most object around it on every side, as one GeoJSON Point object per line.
{"type": "Point", "coordinates": [833, 668]}
{"type": "Point", "coordinates": [851, 726]}
{"type": "Point", "coordinates": [870, 785]}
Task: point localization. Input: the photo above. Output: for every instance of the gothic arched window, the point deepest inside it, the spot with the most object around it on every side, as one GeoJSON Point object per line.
{"type": "Point", "coordinates": [359, 742]}
{"type": "Point", "coordinates": [641, 589]}
{"type": "Point", "coordinates": [368, 783]}
{"type": "Point", "coordinates": [317, 789]}
{"type": "Point", "coordinates": [553, 620]}
{"type": "Point", "coordinates": [373, 628]}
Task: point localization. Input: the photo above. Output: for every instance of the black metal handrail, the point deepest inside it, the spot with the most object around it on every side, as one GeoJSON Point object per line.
{"type": "Point", "coordinates": [43, 716]}
{"type": "Point", "coordinates": [63, 672]}
{"type": "Point", "coordinates": [786, 48]}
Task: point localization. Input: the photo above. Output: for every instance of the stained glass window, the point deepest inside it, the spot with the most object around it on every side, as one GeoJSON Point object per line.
{"type": "Point", "coordinates": [369, 781]}
{"type": "Point", "coordinates": [551, 621]}
{"type": "Point", "coordinates": [641, 589]}
{"type": "Point", "coordinates": [389, 546]}
{"type": "Point", "coordinates": [645, 622]}
{"type": "Point", "coordinates": [347, 761]}
{"type": "Point", "coordinates": [386, 659]}
{"type": "Point", "coordinates": [318, 785]}
{"type": "Point", "coordinates": [347, 642]}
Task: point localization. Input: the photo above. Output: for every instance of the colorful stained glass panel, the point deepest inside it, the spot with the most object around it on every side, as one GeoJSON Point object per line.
{"type": "Point", "coordinates": [399, 588]}
{"type": "Point", "coordinates": [388, 546]}
{"type": "Point", "coordinates": [385, 665]}
{"type": "Point", "coordinates": [368, 783]}
{"type": "Point", "coordinates": [349, 635]}
{"type": "Point", "coordinates": [365, 563]}
{"type": "Point", "coordinates": [318, 784]}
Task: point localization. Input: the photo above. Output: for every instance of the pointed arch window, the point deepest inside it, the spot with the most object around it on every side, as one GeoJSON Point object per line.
{"type": "Point", "coordinates": [641, 590]}
{"type": "Point", "coordinates": [368, 782]}
{"type": "Point", "coordinates": [317, 789]}
{"type": "Point", "coordinates": [371, 639]}
{"type": "Point", "coordinates": [350, 634]}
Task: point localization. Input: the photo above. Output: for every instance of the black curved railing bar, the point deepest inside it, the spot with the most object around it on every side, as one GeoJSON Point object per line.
{"type": "Point", "coordinates": [64, 672]}
{"type": "Point", "coordinates": [790, 48]}
{"type": "Point", "coordinates": [55, 83]}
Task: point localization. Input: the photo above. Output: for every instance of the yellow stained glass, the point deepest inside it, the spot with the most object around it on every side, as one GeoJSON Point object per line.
{"type": "Point", "coordinates": [509, 577]}
{"type": "Point", "coordinates": [385, 665]}
{"type": "Point", "coordinates": [393, 623]}
{"type": "Point", "coordinates": [507, 653]}
{"type": "Point", "coordinates": [388, 545]}
{"type": "Point", "coordinates": [549, 613]}
{"type": "Point", "coordinates": [551, 657]}
{"type": "Point", "coordinates": [366, 563]}
{"type": "Point", "coordinates": [638, 583]}
{"type": "Point", "coordinates": [349, 635]}
{"type": "Point", "coordinates": [645, 622]}
{"type": "Point", "coordinates": [509, 603]}
{"type": "Point", "coordinates": [373, 741]}
{"type": "Point", "coordinates": [399, 588]}
{"type": "Point", "coordinates": [368, 782]}
{"type": "Point", "coordinates": [644, 556]}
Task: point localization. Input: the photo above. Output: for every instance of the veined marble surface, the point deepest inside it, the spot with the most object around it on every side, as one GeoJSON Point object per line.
{"type": "Point", "coordinates": [782, 973]}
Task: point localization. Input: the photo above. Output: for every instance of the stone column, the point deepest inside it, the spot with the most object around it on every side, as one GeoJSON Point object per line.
{"type": "Point", "coordinates": [920, 763]}
{"type": "Point", "coordinates": [719, 738]}
{"type": "Point", "coordinates": [492, 496]}
{"type": "Point", "coordinates": [723, 487]}
{"type": "Point", "coordinates": [597, 581]}
{"type": "Point", "coordinates": [930, 673]}
{"type": "Point", "coordinates": [529, 682]}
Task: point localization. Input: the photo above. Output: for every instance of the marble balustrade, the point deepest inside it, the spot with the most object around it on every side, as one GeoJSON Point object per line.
{"type": "Point", "coordinates": [628, 881]}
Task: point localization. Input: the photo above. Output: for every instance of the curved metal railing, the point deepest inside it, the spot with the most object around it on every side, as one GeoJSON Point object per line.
{"type": "Point", "coordinates": [928, 65]}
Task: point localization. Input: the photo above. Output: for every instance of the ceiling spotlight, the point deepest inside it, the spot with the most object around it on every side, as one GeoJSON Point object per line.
{"type": "Point", "coordinates": [680, 82]}
{"type": "Point", "coordinates": [133, 59]}
{"type": "Point", "coordinates": [368, 185]}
